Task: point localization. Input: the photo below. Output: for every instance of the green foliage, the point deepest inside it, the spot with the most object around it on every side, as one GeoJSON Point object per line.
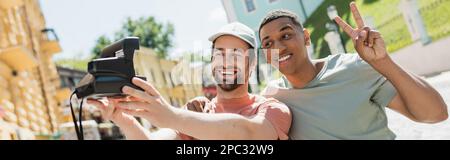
{"type": "Point", "coordinates": [387, 19]}
{"type": "Point", "coordinates": [102, 42]}
{"type": "Point", "coordinates": [152, 34]}
{"type": "Point", "coordinates": [436, 16]}
{"type": "Point", "coordinates": [74, 63]}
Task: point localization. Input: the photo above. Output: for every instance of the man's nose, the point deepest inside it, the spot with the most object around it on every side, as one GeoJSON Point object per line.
{"type": "Point", "coordinates": [229, 61]}
{"type": "Point", "coordinates": [280, 46]}
{"type": "Point", "coordinates": [229, 64]}
{"type": "Point", "coordinates": [234, 62]}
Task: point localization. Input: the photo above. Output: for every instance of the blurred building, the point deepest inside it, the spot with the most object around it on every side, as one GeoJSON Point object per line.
{"type": "Point", "coordinates": [251, 12]}
{"type": "Point", "coordinates": [177, 81]}
{"type": "Point", "coordinates": [29, 83]}
{"type": "Point", "coordinates": [69, 78]}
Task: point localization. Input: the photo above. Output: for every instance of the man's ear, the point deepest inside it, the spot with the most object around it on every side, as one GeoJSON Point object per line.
{"type": "Point", "coordinates": [307, 37]}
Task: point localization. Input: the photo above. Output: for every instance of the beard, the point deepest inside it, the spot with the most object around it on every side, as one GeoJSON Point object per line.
{"type": "Point", "coordinates": [229, 85]}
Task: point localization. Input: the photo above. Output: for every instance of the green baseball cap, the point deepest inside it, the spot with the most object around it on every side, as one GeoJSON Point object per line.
{"type": "Point", "coordinates": [238, 30]}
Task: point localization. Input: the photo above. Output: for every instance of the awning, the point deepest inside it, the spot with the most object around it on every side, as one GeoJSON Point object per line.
{"type": "Point", "coordinates": [51, 47]}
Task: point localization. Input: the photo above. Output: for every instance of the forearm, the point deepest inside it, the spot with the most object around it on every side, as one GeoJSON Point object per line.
{"type": "Point", "coordinates": [212, 126]}
{"type": "Point", "coordinates": [420, 98]}
{"type": "Point", "coordinates": [165, 134]}
{"type": "Point", "coordinates": [134, 131]}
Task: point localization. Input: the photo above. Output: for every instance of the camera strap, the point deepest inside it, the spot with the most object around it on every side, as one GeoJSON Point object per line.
{"type": "Point", "coordinates": [78, 129]}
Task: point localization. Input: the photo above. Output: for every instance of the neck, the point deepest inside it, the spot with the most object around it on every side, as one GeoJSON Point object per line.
{"type": "Point", "coordinates": [305, 74]}
{"type": "Point", "coordinates": [239, 92]}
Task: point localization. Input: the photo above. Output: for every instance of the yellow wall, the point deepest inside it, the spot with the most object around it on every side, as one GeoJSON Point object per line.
{"type": "Point", "coordinates": [161, 74]}
{"type": "Point", "coordinates": [28, 96]}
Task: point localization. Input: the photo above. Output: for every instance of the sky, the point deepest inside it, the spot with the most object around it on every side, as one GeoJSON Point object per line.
{"type": "Point", "coordinates": [78, 23]}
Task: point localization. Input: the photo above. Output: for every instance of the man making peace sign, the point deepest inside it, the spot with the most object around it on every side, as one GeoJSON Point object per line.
{"type": "Point", "coordinates": [343, 96]}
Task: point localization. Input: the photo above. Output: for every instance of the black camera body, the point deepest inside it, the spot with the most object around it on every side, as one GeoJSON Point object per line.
{"type": "Point", "coordinates": [109, 74]}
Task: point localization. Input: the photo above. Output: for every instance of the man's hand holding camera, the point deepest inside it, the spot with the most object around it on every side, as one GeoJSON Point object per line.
{"type": "Point", "coordinates": [110, 112]}
{"type": "Point", "coordinates": [147, 104]}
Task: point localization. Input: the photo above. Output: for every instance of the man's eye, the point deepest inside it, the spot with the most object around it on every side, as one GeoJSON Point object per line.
{"type": "Point", "coordinates": [286, 36]}
{"type": "Point", "coordinates": [268, 45]}
{"type": "Point", "coordinates": [218, 53]}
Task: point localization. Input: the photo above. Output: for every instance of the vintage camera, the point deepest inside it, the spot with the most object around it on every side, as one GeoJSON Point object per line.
{"type": "Point", "coordinates": [109, 74]}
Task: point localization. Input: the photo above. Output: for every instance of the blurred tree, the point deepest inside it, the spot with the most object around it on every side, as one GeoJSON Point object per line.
{"type": "Point", "coordinates": [152, 34]}
{"type": "Point", "coordinates": [101, 43]}
{"type": "Point", "coordinates": [76, 63]}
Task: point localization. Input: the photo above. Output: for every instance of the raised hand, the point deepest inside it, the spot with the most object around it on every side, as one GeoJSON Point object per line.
{"type": "Point", "coordinates": [368, 43]}
{"type": "Point", "coordinates": [148, 104]}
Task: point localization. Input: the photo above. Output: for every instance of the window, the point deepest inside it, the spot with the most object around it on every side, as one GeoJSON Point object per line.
{"type": "Point", "coordinates": [71, 81]}
{"type": "Point", "coordinates": [63, 82]}
{"type": "Point", "coordinates": [250, 4]}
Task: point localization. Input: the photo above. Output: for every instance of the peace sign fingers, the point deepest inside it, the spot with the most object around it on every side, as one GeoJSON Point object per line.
{"type": "Point", "coordinates": [346, 27]}
{"type": "Point", "coordinates": [357, 16]}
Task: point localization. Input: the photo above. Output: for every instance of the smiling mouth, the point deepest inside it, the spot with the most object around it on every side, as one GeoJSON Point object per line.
{"type": "Point", "coordinates": [285, 58]}
{"type": "Point", "coordinates": [228, 73]}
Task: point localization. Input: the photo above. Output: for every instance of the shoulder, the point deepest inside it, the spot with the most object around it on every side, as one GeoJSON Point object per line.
{"type": "Point", "coordinates": [278, 114]}
{"type": "Point", "coordinates": [277, 82]}
{"type": "Point", "coordinates": [349, 63]}
{"type": "Point", "coordinates": [264, 104]}
{"type": "Point", "coordinates": [346, 60]}
{"type": "Point", "coordinates": [273, 86]}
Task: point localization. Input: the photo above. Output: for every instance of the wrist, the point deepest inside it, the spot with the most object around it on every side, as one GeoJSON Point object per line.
{"type": "Point", "coordinates": [384, 66]}
{"type": "Point", "coordinates": [166, 118]}
{"type": "Point", "coordinates": [172, 119]}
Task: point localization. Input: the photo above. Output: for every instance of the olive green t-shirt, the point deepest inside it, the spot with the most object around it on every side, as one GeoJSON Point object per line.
{"type": "Point", "coordinates": [346, 100]}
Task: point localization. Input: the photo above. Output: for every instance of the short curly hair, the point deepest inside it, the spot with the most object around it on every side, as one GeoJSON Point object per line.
{"type": "Point", "coordinates": [280, 13]}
